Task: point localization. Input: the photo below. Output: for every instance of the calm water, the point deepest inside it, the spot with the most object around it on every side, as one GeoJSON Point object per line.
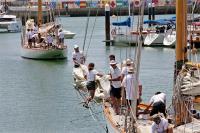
{"type": "Point", "coordinates": [38, 96]}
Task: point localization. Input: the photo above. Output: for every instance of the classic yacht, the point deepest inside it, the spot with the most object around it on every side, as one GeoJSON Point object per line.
{"type": "Point", "coordinates": [42, 40]}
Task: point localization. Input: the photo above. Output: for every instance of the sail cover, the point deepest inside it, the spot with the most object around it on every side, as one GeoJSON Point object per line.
{"type": "Point", "coordinates": [158, 22]}
{"type": "Point", "coordinates": [123, 23]}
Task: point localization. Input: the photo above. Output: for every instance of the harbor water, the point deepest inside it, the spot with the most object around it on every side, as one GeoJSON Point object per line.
{"type": "Point", "coordinates": [38, 96]}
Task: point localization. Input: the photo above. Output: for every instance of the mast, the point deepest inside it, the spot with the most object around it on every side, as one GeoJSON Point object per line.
{"type": "Point", "coordinates": [181, 105]}
{"type": "Point", "coordinates": [40, 12]}
{"type": "Point", "coordinates": [138, 58]}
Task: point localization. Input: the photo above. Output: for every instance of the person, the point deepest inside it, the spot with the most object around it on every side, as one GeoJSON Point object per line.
{"type": "Point", "coordinates": [40, 39]}
{"type": "Point", "coordinates": [90, 77]}
{"type": "Point", "coordinates": [158, 103]}
{"type": "Point", "coordinates": [159, 125]}
{"type": "Point", "coordinates": [61, 37]}
{"type": "Point", "coordinates": [49, 40]}
{"type": "Point", "coordinates": [29, 37]}
{"type": "Point", "coordinates": [129, 84]}
{"type": "Point", "coordinates": [125, 69]}
{"type": "Point", "coordinates": [78, 56]}
{"type": "Point", "coordinates": [115, 80]}
{"type": "Point", "coordinates": [111, 57]}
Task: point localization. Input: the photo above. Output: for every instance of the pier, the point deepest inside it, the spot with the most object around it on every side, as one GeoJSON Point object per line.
{"type": "Point", "coordinates": [80, 12]}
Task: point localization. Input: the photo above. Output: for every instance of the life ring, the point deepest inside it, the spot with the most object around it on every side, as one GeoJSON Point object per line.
{"type": "Point", "coordinates": [113, 32]}
{"type": "Point", "coordinates": [137, 3]}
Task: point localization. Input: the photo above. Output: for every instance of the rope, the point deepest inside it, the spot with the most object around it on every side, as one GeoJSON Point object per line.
{"type": "Point", "coordinates": [86, 28]}
{"type": "Point", "coordinates": [92, 33]}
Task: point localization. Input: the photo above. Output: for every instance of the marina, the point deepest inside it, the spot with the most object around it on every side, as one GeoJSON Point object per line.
{"type": "Point", "coordinates": [42, 96]}
{"type": "Point", "coordinates": [38, 96]}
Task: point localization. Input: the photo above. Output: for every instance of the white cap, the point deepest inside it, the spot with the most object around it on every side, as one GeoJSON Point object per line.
{"type": "Point", "coordinates": [76, 46]}
{"type": "Point", "coordinates": [128, 61]}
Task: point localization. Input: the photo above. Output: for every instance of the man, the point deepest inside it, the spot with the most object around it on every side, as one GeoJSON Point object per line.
{"type": "Point", "coordinates": [112, 57]}
{"type": "Point", "coordinates": [61, 37]}
{"type": "Point", "coordinates": [78, 56]}
{"type": "Point", "coordinates": [49, 40]}
{"type": "Point", "coordinates": [160, 125]}
{"type": "Point", "coordinates": [158, 103]}
{"type": "Point", "coordinates": [115, 92]}
{"type": "Point", "coordinates": [129, 84]}
{"type": "Point", "coordinates": [90, 76]}
{"type": "Point", "coordinates": [125, 68]}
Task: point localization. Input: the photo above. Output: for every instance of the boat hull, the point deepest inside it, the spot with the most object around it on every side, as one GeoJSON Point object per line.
{"type": "Point", "coordinates": [154, 39]}
{"type": "Point", "coordinates": [11, 26]}
{"type": "Point", "coordinates": [69, 34]}
{"type": "Point", "coordinates": [43, 54]}
{"type": "Point", "coordinates": [122, 38]}
{"type": "Point", "coordinates": [170, 39]}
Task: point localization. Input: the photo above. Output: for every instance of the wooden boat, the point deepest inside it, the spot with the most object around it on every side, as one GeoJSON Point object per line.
{"type": "Point", "coordinates": [40, 48]}
{"type": "Point", "coordinates": [187, 85]}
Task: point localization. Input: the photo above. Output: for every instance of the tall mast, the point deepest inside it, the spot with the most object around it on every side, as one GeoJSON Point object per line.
{"type": "Point", "coordinates": [138, 57]}
{"type": "Point", "coordinates": [180, 103]}
{"type": "Point", "coordinates": [40, 12]}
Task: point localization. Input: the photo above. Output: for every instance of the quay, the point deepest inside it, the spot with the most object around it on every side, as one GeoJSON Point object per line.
{"type": "Point", "coordinates": [80, 12]}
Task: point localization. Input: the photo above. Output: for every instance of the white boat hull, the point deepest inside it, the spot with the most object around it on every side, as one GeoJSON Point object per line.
{"type": "Point", "coordinates": [43, 54]}
{"type": "Point", "coordinates": [124, 40]}
{"type": "Point", "coordinates": [11, 26]}
{"type": "Point", "coordinates": [154, 39]}
{"type": "Point", "coordinates": [170, 39]}
{"type": "Point", "coordinates": [69, 34]}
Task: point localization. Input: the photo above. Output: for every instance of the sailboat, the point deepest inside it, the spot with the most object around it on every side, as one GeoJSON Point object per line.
{"type": "Point", "coordinates": [9, 23]}
{"type": "Point", "coordinates": [186, 89]}
{"type": "Point", "coordinates": [41, 41]}
{"type": "Point", "coordinates": [128, 37]}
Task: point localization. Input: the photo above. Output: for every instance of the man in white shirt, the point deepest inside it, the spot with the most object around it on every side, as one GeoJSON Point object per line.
{"type": "Point", "coordinates": [158, 103]}
{"type": "Point", "coordinates": [61, 37]}
{"type": "Point", "coordinates": [125, 68]}
{"type": "Point", "coordinates": [49, 40]}
{"type": "Point", "coordinates": [90, 75]}
{"type": "Point", "coordinates": [78, 56]}
{"type": "Point", "coordinates": [115, 92]}
{"type": "Point", "coordinates": [29, 37]}
{"type": "Point", "coordinates": [160, 125]}
{"type": "Point", "coordinates": [129, 84]}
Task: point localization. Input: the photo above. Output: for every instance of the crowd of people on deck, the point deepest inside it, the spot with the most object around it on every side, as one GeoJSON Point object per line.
{"type": "Point", "coordinates": [45, 40]}
{"type": "Point", "coordinates": [124, 80]}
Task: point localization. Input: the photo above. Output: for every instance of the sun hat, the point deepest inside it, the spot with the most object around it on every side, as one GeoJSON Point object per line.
{"type": "Point", "coordinates": [76, 46]}
{"type": "Point", "coordinates": [113, 62]}
{"type": "Point", "coordinates": [128, 61]}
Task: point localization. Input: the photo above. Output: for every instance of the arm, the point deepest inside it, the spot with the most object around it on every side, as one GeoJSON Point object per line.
{"type": "Point", "coordinates": [148, 107]}
{"type": "Point", "coordinates": [116, 79]}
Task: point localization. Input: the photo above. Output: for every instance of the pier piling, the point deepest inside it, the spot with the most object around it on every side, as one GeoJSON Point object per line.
{"type": "Point", "coordinates": [107, 24]}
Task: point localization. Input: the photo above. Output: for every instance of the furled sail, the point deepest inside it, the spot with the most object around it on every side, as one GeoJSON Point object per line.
{"type": "Point", "coordinates": [123, 23]}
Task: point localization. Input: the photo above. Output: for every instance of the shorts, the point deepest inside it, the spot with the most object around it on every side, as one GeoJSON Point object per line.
{"type": "Point", "coordinates": [158, 107]}
{"type": "Point", "coordinates": [61, 40]}
{"type": "Point", "coordinates": [115, 92]}
{"type": "Point", "coordinates": [29, 40]}
{"type": "Point", "coordinates": [91, 85]}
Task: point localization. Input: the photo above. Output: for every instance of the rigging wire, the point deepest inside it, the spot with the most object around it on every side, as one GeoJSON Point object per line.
{"type": "Point", "coordinates": [86, 28]}
{"type": "Point", "coordinates": [92, 32]}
